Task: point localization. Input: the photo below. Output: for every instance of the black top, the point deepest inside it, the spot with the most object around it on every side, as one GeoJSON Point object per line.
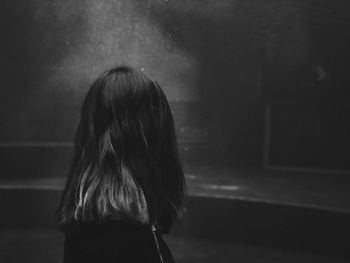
{"type": "Point", "coordinates": [117, 242]}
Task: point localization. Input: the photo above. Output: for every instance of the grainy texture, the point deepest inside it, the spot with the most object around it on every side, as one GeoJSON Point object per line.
{"type": "Point", "coordinates": [223, 56]}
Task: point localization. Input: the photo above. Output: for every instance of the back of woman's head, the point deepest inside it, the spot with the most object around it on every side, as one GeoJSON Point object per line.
{"type": "Point", "coordinates": [125, 165]}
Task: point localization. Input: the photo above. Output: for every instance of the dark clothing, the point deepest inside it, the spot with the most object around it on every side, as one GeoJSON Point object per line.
{"type": "Point", "coordinates": [117, 242]}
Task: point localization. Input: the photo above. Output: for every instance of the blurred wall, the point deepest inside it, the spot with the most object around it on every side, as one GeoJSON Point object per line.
{"type": "Point", "coordinates": [211, 58]}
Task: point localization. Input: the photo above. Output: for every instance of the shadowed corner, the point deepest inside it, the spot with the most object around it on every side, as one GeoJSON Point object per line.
{"type": "Point", "coordinates": [38, 38]}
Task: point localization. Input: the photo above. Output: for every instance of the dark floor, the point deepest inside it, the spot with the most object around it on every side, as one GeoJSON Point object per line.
{"type": "Point", "coordinates": [327, 191]}
{"type": "Point", "coordinates": [314, 190]}
{"type": "Point", "coordinates": [263, 190]}
{"type": "Point", "coordinates": [45, 245]}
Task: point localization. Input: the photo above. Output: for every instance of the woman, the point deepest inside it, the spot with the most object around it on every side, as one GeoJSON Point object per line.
{"type": "Point", "coordinates": [125, 184]}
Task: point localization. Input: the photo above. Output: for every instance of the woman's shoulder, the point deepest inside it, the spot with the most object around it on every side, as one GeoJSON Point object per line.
{"type": "Point", "coordinates": [111, 229]}
{"type": "Point", "coordinates": [112, 239]}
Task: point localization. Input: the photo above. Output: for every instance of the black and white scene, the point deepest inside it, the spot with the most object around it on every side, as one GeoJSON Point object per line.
{"type": "Point", "coordinates": [164, 131]}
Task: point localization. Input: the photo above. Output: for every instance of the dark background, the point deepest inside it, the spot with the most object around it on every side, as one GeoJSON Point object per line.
{"type": "Point", "coordinates": [221, 63]}
{"type": "Point", "coordinates": [260, 95]}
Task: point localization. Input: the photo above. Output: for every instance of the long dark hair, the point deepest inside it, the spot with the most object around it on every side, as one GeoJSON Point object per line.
{"type": "Point", "coordinates": [125, 164]}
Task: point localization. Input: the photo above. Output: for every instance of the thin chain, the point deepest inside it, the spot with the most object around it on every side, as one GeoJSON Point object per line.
{"type": "Point", "coordinates": [157, 244]}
